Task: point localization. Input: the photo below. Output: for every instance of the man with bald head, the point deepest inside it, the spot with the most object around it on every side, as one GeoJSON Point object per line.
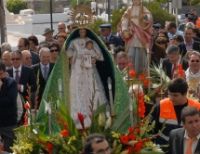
{"type": "Point", "coordinates": [6, 59]}
{"type": "Point", "coordinates": [61, 29]}
{"type": "Point", "coordinates": [26, 58]}
{"type": "Point", "coordinates": [42, 72]}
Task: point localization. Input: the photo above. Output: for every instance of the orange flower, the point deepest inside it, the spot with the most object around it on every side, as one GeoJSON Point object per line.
{"type": "Point", "coordinates": [64, 133]}
{"type": "Point", "coordinates": [132, 73]}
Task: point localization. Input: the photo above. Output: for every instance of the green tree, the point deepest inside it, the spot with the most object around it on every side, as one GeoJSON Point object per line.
{"type": "Point", "coordinates": [16, 5]}
{"type": "Point", "coordinates": [74, 2]}
{"type": "Point", "coordinates": [159, 15]}
{"type": "Point", "coordinates": [195, 2]}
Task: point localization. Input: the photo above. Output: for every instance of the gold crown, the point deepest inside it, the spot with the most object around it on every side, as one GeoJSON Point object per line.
{"type": "Point", "coordinates": [82, 15]}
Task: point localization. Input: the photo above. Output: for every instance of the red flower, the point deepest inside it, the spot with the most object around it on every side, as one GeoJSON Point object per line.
{"type": "Point", "coordinates": [132, 73]}
{"type": "Point", "coordinates": [64, 133]}
{"type": "Point", "coordinates": [141, 77]}
{"type": "Point", "coordinates": [131, 130]}
{"type": "Point", "coordinates": [146, 82]}
{"type": "Point", "coordinates": [131, 137]}
{"type": "Point", "coordinates": [81, 119]}
{"type": "Point", "coordinates": [141, 105]}
{"type": "Point", "coordinates": [124, 139]}
{"type": "Point", "coordinates": [138, 146]}
{"type": "Point", "coordinates": [27, 106]}
{"type": "Point", "coordinates": [49, 147]}
{"type": "Point", "coordinates": [137, 130]}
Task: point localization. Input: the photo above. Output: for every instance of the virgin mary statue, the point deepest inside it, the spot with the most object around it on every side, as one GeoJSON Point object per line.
{"type": "Point", "coordinates": [88, 75]}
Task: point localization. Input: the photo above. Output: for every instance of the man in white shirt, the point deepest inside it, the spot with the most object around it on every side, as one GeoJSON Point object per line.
{"type": "Point", "coordinates": [186, 140]}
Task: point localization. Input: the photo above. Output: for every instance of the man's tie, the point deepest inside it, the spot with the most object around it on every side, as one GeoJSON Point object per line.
{"type": "Point", "coordinates": [174, 69]}
{"type": "Point", "coordinates": [45, 71]}
{"type": "Point", "coordinates": [189, 145]}
{"type": "Point", "coordinates": [17, 76]}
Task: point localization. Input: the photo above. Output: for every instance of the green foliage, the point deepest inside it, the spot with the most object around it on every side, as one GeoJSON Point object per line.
{"type": "Point", "coordinates": [16, 5]}
{"type": "Point", "coordinates": [116, 17]}
{"type": "Point", "coordinates": [159, 15]}
{"type": "Point", "coordinates": [95, 26]}
{"type": "Point", "coordinates": [195, 2]}
{"type": "Point", "coordinates": [74, 2]}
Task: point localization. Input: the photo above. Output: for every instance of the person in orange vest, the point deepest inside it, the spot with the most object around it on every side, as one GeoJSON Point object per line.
{"type": "Point", "coordinates": [167, 113]}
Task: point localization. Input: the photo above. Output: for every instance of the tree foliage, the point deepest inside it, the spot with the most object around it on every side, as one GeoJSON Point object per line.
{"type": "Point", "coordinates": [159, 15]}
{"type": "Point", "coordinates": [16, 5]}
{"type": "Point", "coordinates": [74, 2]}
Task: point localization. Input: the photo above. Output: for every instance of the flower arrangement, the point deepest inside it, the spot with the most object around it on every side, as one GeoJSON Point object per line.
{"type": "Point", "coordinates": [137, 139]}
{"type": "Point", "coordinates": [38, 138]}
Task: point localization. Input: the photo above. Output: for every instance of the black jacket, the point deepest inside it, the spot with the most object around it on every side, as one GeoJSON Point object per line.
{"type": "Point", "coordinates": [40, 81]}
{"type": "Point", "coordinates": [167, 66]}
{"type": "Point", "coordinates": [27, 78]}
{"type": "Point", "coordinates": [176, 142]}
{"type": "Point", "coordinates": [8, 104]}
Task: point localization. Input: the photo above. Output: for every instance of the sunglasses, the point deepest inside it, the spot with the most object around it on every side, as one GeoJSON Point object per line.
{"type": "Point", "coordinates": [161, 42]}
{"type": "Point", "coordinates": [54, 50]}
{"type": "Point", "coordinates": [197, 61]}
{"type": "Point", "coordinates": [15, 59]}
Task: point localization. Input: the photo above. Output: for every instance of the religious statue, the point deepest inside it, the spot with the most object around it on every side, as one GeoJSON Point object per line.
{"type": "Point", "coordinates": [136, 24]}
{"type": "Point", "coordinates": [86, 88]}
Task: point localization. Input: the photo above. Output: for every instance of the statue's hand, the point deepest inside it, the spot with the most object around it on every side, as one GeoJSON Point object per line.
{"type": "Point", "coordinates": [93, 61]}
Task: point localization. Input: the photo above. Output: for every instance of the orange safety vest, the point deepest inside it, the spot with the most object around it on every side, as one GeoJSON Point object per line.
{"type": "Point", "coordinates": [168, 114]}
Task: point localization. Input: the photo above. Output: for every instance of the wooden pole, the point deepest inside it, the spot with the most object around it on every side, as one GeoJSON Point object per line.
{"type": "Point", "coordinates": [3, 22]}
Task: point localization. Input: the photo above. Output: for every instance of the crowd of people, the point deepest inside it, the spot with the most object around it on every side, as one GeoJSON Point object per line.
{"type": "Point", "coordinates": [25, 71]}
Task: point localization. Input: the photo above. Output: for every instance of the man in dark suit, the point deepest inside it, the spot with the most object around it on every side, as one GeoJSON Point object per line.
{"type": "Point", "coordinates": [108, 37]}
{"type": "Point", "coordinates": [189, 41]}
{"type": "Point", "coordinates": [186, 140]}
{"type": "Point", "coordinates": [24, 76]}
{"type": "Point", "coordinates": [23, 44]}
{"type": "Point", "coordinates": [42, 72]}
{"type": "Point", "coordinates": [173, 61]}
{"type": "Point", "coordinates": [8, 108]}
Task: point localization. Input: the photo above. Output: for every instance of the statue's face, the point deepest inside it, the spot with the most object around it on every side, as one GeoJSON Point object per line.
{"type": "Point", "coordinates": [136, 2]}
{"type": "Point", "coordinates": [82, 32]}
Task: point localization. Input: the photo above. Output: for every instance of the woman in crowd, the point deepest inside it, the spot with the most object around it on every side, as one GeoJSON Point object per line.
{"type": "Point", "coordinates": [54, 49]}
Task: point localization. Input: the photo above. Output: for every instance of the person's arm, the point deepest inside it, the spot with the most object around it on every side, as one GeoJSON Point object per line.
{"type": "Point", "coordinates": [11, 95]}
{"type": "Point", "coordinates": [155, 117]}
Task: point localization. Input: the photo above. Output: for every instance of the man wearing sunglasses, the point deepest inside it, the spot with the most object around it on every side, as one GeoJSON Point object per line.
{"type": "Point", "coordinates": [193, 73]}
{"type": "Point", "coordinates": [96, 144]}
